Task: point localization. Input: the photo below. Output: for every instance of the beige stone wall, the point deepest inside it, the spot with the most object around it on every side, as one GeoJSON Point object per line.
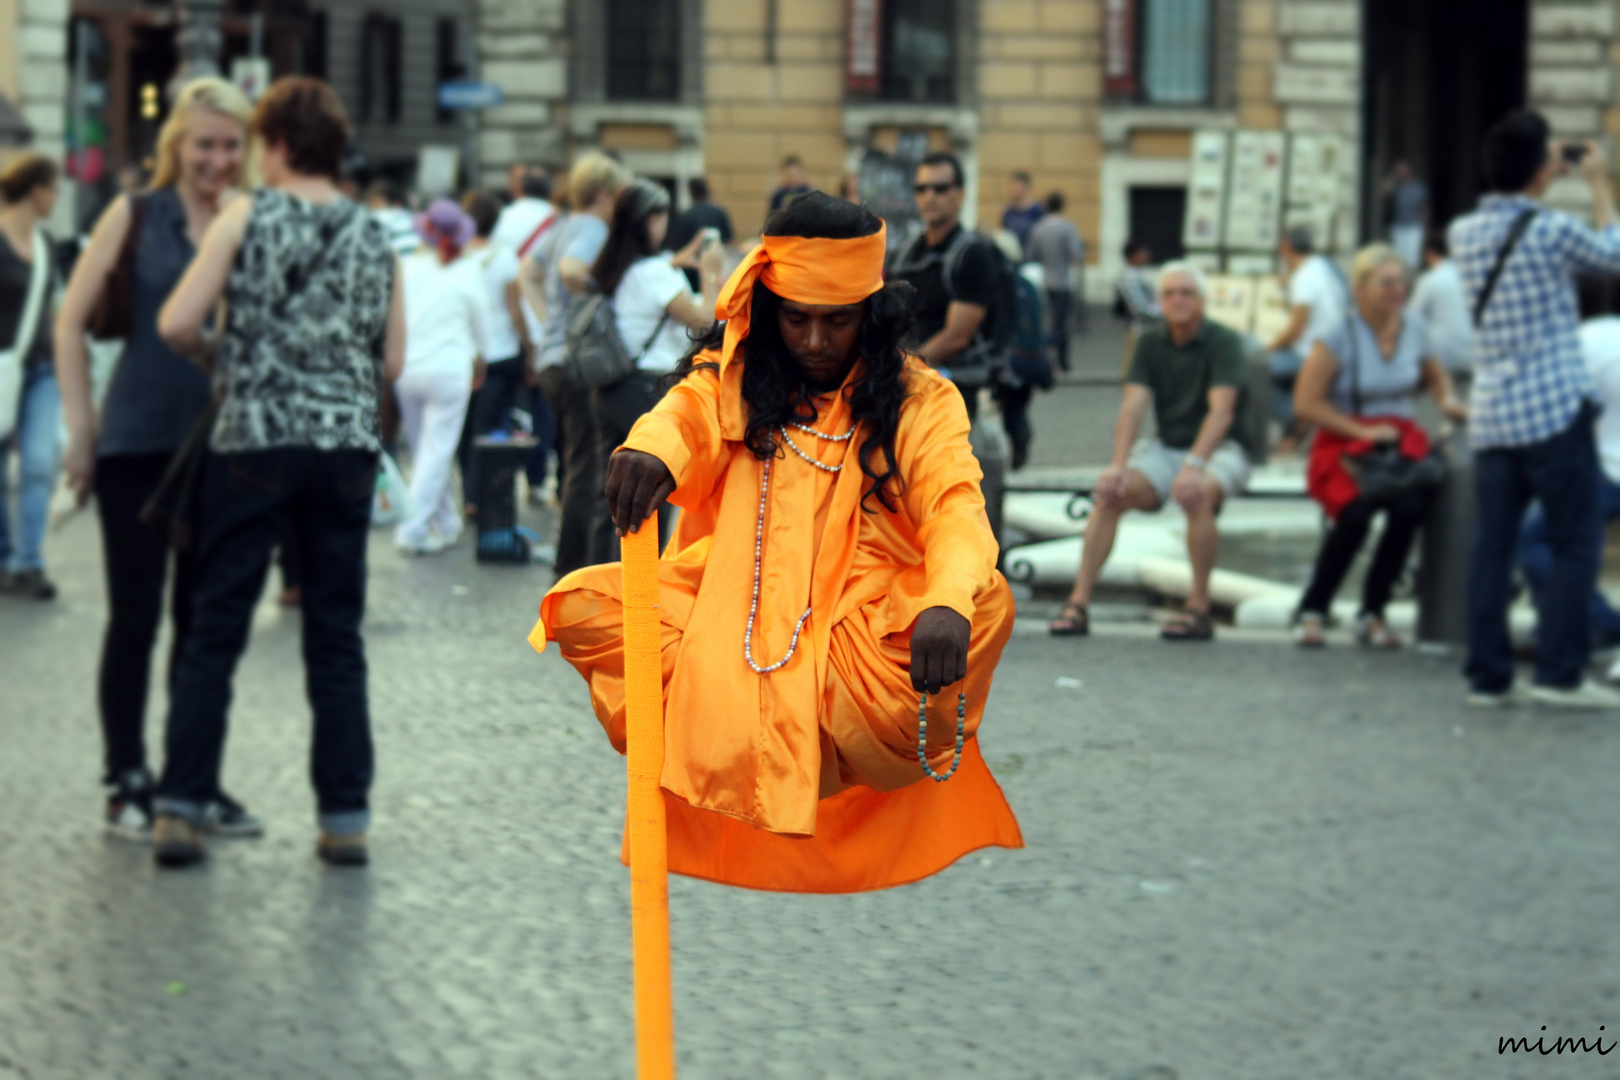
{"type": "Point", "coordinates": [522, 47]}
{"type": "Point", "coordinates": [9, 72]}
{"type": "Point", "coordinates": [756, 112]}
{"type": "Point", "coordinates": [1040, 88]}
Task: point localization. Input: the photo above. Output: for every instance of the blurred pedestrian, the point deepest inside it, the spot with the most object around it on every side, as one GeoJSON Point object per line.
{"type": "Point", "coordinates": [446, 345]}
{"type": "Point", "coordinates": [1137, 292]}
{"type": "Point", "coordinates": [1442, 303]}
{"type": "Point", "coordinates": [849, 188]}
{"type": "Point", "coordinates": [1192, 373]}
{"type": "Point", "coordinates": [534, 211]}
{"type": "Point", "coordinates": [28, 387]}
{"type": "Point", "coordinates": [1357, 388]}
{"type": "Point", "coordinates": [506, 373]}
{"type": "Point", "coordinates": [316, 319]}
{"type": "Point", "coordinates": [529, 189]}
{"type": "Point", "coordinates": [1407, 211]}
{"type": "Point", "coordinates": [555, 276]}
{"type": "Point", "coordinates": [1533, 407]}
{"type": "Point", "coordinates": [1022, 210]}
{"type": "Point", "coordinates": [793, 183]}
{"type": "Point", "coordinates": [702, 214]}
{"type": "Point", "coordinates": [1055, 243]}
{"type": "Point", "coordinates": [153, 400]}
{"type": "Point", "coordinates": [657, 315]}
{"type": "Point", "coordinates": [386, 200]}
{"type": "Point", "coordinates": [1316, 305]}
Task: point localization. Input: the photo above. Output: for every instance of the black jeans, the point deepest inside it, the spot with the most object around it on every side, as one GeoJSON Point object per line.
{"type": "Point", "coordinates": [579, 478]}
{"type": "Point", "coordinates": [136, 560]}
{"type": "Point", "coordinates": [617, 408]}
{"type": "Point", "coordinates": [245, 505]}
{"type": "Point", "coordinates": [490, 408]}
{"type": "Point", "coordinates": [1059, 303]}
{"type": "Point", "coordinates": [1402, 519]}
{"type": "Point", "coordinates": [1563, 473]}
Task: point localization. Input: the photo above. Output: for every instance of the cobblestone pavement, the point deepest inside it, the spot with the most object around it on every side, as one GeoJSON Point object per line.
{"type": "Point", "coordinates": [1243, 862]}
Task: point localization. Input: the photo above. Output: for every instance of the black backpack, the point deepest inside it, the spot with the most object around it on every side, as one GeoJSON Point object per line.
{"type": "Point", "coordinates": [985, 359]}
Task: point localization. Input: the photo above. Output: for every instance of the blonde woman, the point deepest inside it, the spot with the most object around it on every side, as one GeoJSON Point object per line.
{"type": "Point", "coordinates": [154, 399]}
{"type": "Point", "coordinates": [1357, 388]}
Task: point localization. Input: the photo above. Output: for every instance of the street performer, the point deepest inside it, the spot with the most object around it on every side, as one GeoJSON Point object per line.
{"type": "Point", "coordinates": [832, 569]}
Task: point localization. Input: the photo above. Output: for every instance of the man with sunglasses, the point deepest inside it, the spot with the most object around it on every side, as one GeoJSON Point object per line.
{"type": "Point", "coordinates": [1191, 370]}
{"type": "Point", "coordinates": [954, 273]}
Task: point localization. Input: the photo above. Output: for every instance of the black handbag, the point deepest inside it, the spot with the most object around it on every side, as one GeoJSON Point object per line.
{"type": "Point", "coordinates": [1384, 474]}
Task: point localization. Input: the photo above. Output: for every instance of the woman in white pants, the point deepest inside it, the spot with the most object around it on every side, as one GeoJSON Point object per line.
{"type": "Point", "coordinates": [446, 340]}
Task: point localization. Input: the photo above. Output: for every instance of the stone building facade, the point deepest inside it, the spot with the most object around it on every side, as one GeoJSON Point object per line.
{"type": "Point", "coordinates": [34, 79]}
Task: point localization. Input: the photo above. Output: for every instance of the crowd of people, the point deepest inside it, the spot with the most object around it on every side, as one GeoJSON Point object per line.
{"type": "Point", "coordinates": [280, 337]}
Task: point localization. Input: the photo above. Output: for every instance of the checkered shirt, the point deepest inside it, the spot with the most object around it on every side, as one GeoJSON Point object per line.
{"type": "Point", "coordinates": [1529, 379]}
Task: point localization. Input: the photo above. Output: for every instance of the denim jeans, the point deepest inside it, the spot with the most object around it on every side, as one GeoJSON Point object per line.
{"type": "Point", "coordinates": [38, 442]}
{"type": "Point", "coordinates": [1536, 560]}
{"type": "Point", "coordinates": [246, 503]}
{"type": "Point", "coordinates": [1563, 473]}
{"type": "Point", "coordinates": [1059, 303]}
{"type": "Point", "coordinates": [1285, 368]}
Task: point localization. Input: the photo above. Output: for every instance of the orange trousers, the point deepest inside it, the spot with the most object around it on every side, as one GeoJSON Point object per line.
{"type": "Point", "coordinates": [880, 821]}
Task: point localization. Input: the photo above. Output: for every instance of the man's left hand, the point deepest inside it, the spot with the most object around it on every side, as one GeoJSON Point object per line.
{"type": "Point", "coordinates": [1188, 489]}
{"type": "Point", "coordinates": [939, 649]}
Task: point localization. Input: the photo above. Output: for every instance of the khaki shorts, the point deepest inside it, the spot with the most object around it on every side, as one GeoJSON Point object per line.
{"type": "Point", "coordinates": [1227, 466]}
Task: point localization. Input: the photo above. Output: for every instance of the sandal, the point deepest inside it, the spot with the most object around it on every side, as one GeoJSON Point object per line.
{"type": "Point", "coordinates": [1310, 631]}
{"type": "Point", "coordinates": [1189, 625]}
{"type": "Point", "coordinates": [1073, 621]}
{"type": "Point", "coordinates": [1373, 632]}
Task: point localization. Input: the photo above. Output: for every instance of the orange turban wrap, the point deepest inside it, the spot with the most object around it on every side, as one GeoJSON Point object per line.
{"type": "Point", "coordinates": [806, 271]}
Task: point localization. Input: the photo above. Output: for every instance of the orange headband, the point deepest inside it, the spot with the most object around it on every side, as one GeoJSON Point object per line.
{"type": "Point", "coordinates": [802, 270]}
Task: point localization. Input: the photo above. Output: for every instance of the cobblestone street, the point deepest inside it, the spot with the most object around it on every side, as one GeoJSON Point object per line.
{"type": "Point", "coordinates": [1243, 862]}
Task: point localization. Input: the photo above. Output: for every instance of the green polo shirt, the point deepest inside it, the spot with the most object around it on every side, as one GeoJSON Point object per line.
{"type": "Point", "coordinates": [1180, 378]}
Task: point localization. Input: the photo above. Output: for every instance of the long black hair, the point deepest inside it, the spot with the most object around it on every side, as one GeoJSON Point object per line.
{"type": "Point", "coordinates": [773, 386]}
{"type": "Point", "coordinates": [628, 240]}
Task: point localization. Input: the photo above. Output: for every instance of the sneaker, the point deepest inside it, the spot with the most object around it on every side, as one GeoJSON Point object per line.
{"type": "Point", "coordinates": [176, 842]}
{"type": "Point", "coordinates": [129, 807]}
{"type": "Point", "coordinates": [32, 585]}
{"type": "Point", "coordinates": [1372, 632]}
{"type": "Point", "coordinates": [224, 816]}
{"type": "Point", "coordinates": [1310, 632]}
{"type": "Point", "coordinates": [1588, 695]}
{"type": "Point", "coordinates": [1513, 695]}
{"type": "Point", "coordinates": [347, 850]}
{"type": "Point", "coordinates": [428, 545]}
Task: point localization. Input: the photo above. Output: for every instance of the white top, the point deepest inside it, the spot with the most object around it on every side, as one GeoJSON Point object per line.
{"type": "Point", "coordinates": [446, 320]}
{"type": "Point", "coordinates": [499, 267]}
{"type": "Point", "coordinates": [643, 296]}
{"type": "Point", "coordinates": [1317, 286]}
{"type": "Point", "coordinates": [514, 230]}
{"type": "Point", "coordinates": [1442, 302]}
{"type": "Point", "coordinates": [1600, 347]}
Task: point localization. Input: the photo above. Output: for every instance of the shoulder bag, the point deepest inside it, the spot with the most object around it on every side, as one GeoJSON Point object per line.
{"type": "Point", "coordinates": [114, 314]}
{"type": "Point", "coordinates": [596, 354]}
{"type": "Point", "coordinates": [13, 360]}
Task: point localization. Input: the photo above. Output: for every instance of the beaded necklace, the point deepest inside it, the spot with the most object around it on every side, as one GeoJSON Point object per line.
{"type": "Point", "coordinates": [793, 646]}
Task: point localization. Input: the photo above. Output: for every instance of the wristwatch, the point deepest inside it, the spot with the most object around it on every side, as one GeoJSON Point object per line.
{"type": "Point", "coordinates": [1193, 461]}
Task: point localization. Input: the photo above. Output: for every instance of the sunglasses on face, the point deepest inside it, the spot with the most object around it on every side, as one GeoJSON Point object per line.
{"type": "Point", "coordinates": [937, 189]}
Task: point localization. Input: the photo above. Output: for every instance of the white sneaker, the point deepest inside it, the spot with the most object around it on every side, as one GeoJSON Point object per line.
{"type": "Point", "coordinates": [1588, 695]}
{"type": "Point", "coordinates": [1513, 695]}
{"type": "Point", "coordinates": [1614, 672]}
{"type": "Point", "coordinates": [427, 545]}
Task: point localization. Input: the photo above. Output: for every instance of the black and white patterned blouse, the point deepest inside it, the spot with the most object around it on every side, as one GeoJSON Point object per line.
{"type": "Point", "coordinates": [300, 362]}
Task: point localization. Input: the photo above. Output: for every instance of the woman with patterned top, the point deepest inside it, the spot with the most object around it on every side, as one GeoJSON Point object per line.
{"type": "Point", "coordinates": [121, 451]}
{"type": "Point", "coordinates": [314, 318]}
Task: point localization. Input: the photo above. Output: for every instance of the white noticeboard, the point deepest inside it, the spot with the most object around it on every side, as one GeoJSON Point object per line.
{"type": "Point", "coordinates": [1315, 174]}
{"type": "Point", "coordinates": [1271, 310]}
{"type": "Point", "coordinates": [251, 74]}
{"type": "Point", "coordinates": [1231, 301]}
{"type": "Point", "coordinates": [1206, 190]}
{"type": "Point", "coordinates": [436, 169]}
{"type": "Point", "coordinates": [1254, 201]}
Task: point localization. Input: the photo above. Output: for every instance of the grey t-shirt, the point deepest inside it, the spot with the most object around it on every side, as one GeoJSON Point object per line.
{"type": "Point", "coordinates": [580, 237]}
{"type": "Point", "coordinates": [1388, 383]}
{"type": "Point", "coordinates": [1408, 200]}
{"type": "Point", "coordinates": [16, 275]}
{"type": "Point", "coordinates": [1055, 244]}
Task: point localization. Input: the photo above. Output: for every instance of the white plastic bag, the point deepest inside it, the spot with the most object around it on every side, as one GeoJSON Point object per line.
{"type": "Point", "coordinates": [392, 501]}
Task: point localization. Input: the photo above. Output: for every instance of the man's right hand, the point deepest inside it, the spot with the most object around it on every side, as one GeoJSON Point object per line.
{"type": "Point", "coordinates": [637, 485]}
{"type": "Point", "coordinates": [1594, 166]}
{"type": "Point", "coordinates": [1110, 486]}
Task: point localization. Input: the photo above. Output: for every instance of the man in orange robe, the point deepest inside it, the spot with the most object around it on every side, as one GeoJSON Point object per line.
{"type": "Point", "coordinates": [832, 564]}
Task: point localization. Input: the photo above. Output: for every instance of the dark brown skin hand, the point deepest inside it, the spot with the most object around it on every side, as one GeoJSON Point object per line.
{"type": "Point", "coordinates": [939, 649]}
{"type": "Point", "coordinates": [637, 485]}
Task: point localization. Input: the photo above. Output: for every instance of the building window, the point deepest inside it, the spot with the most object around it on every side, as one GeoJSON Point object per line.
{"type": "Point", "coordinates": [1176, 49]}
{"type": "Point", "coordinates": [451, 68]}
{"type": "Point", "coordinates": [382, 45]}
{"type": "Point", "coordinates": [919, 54]}
{"type": "Point", "coordinates": [1156, 215]}
{"type": "Point", "coordinates": [644, 50]}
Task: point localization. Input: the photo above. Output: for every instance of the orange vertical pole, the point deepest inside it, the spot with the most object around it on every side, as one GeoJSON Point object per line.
{"type": "Point", "coordinates": [649, 842]}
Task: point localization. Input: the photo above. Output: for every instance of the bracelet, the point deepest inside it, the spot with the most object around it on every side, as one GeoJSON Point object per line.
{"type": "Point", "coordinates": [1193, 461]}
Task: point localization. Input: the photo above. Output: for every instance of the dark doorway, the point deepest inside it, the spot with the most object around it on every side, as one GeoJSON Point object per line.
{"type": "Point", "coordinates": [1438, 74]}
{"type": "Point", "coordinates": [1156, 217]}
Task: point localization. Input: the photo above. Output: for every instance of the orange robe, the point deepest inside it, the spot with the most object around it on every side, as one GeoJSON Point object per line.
{"type": "Point", "coordinates": [806, 779]}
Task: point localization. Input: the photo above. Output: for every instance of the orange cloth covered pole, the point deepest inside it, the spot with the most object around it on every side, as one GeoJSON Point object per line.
{"type": "Point", "coordinates": [648, 839]}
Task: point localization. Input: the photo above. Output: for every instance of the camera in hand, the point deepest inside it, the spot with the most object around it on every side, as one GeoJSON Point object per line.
{"type": "Point", "coordinates": [1574, 153]}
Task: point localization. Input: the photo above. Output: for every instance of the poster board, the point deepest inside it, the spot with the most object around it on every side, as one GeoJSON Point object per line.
{"type": "Point", "coordinates": [1231, 301]}
{"type": "Point", "coordinates": [1271, 311]}
{"type": "Point", "coordinates": [1206, 190]}
{"type": "Point", "coordinates": [1255, 190]}
{"type": "Point", "coordinates": [436, 169]}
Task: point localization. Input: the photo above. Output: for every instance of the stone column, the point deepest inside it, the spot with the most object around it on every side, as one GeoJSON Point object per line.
{"type": "Point", "coordinates": [1316, 81]}
{"type": "Point", "coordinates": [522, 48]}
{"type": "Point", "coordinates": [1572, 81]}
{"type": "Point", "coordinates": [198, 40]}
